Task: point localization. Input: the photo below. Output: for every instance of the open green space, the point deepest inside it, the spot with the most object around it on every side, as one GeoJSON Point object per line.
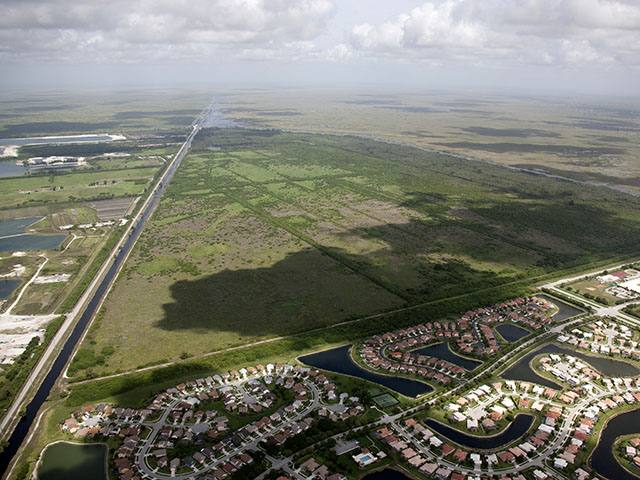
{"type": "Point", "coordinates": [580, 138]}
{"type": "Point", "coordinates": [592, 289]}
{"type": "Point", "coordinates": [137, 111]}
{"type": "Point", "coordinates": [264, 233]}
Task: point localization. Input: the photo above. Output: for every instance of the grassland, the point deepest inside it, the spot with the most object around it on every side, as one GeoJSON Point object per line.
{"type": "Point", "coordinates": [132, 112]}
{"type": "Point", "coordinates": [265, 233]}
{"type": "Point", "coordinates": [586, 139]}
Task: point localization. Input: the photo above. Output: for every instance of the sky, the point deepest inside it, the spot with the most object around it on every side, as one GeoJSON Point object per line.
{"type": "Point", "coordinates": [590, 46]}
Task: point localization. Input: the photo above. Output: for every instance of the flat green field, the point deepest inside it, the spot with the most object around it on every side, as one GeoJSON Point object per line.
{"type": "Point", "coordinates": [593, 288]}
{"type": "Point", "coordinates": [131, 112]}
{"type": "Point", "coordinates": [264, 233]}
{"type": "Point", "coordinates": [62, 188]}
{"type": "Point", "coordinates": [583, 138]}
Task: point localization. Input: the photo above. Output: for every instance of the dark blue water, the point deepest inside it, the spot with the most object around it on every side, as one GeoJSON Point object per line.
{"type": "Point", "coordinates": [608, 366]}
{"type": "Point", "coordinates": [13, 237]}
{"type": "Point", "coordinates": [512, 333]}
{"type": "Point", "coordinates": [7, 286]}
{"type": "Point", "coordinates": [443, 352]}
{"type": "Point", "coordinates": [31, 411]}
{"type": "Point", "coordinates": [520, 425]}
{"type": "Point", "coordinates": [28, 242]}
{"type": "Point", "coordinates": [386, 474]}
{"type": "Point", "coordinates": [9, 168]}
{"type": "Point", "coordinates": [19, 225]}
{"type": "Point", "coordinates": [62, 139]}
{"type": "Point", "coordinates": [338, 360]}
{"type": "Point", "coordinates": [603, 460]}
{"type": "Point", "coordinates": [565, 310]}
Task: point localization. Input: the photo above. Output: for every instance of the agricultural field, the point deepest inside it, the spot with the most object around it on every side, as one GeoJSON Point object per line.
{"type": "Point", "coordinates": [590, 140]}
{"type": "Point", "coordinates": [263, 233]}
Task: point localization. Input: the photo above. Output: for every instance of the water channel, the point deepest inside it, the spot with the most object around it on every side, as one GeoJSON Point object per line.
{"type": "Point", "coordinates": [443, 352]}
{"type": "Point", "coordinates": [22, 428]}
{"type": "Point", "coordinates": [66, 461]}
{"type": "Point", "coordinates": [339, 360]}
{"type": "Point", "coordinates": [610, 367]}
{"type": "Point", "coordinates": [520, 425]}
{"type": "Point", "coordinates": [565, 310]}
{"type": "Point", "coordinates": [603, 461]}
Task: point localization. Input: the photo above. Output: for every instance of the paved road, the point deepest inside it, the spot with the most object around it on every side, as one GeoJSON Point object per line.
{"type": "Point", "coordinates": [251, 445]}
{"type": "Point", "coordinates": [38, 379]}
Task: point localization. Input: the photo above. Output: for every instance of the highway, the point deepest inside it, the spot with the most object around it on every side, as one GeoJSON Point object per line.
{"type": "Point", "coordinates": [80, 317]}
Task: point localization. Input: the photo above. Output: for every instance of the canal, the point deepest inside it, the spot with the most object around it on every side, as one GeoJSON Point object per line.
{"type": "Point", "coordinates": [522, 371]}
{"type": "Point", "coordinates": [603, 461]}
{"type": "Point", "coordinates": [22, 428]}
{"type": "Point", "coordinates": [520, 425]}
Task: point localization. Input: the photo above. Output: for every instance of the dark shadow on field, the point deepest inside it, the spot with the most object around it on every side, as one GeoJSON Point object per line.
{"type": "Point", "coordinates": [304, 290]}
{"type": "Point", "coordinates": [406, 261]}
{"type": "Point", "coordinates": [310, 288]}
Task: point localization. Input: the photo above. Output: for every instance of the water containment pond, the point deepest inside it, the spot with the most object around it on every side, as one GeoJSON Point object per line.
{"type": "Point", "coordinates": [7, 287]}
{"type": "Point", "coordinates": [339, 360]}
{"type": "Point", "coordinates": [610, 367]}
{"type": "Point", "coordinates": [512, 333]}
{"type": "Point", "coordinates": [603, 460]}
{"type": "Point", "coordinates": [66, 461]}
{"type": "Point", "coordinates": [443, 352]}
{"type": "Point", "coordinates": [565, 310]}
{"type": "Point", "coordinates": [13, 236]}
{"type": "Point", "coordinates": [520, 425]}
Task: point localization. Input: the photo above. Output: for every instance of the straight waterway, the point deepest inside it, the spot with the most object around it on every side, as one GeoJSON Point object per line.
{"type": "Point", "coordinates": [22, 428]}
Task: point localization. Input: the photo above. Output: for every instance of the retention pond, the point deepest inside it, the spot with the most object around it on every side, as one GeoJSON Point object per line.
{"type": "Point", "coordinates": [443, 352]}
{"type": "Point", "coordinates": [603, 461]}
{"type": "Point", "coordinates": [13, 237]}
{"type": "Point", "coordinates": [512, 333]}
{"type": "Point", "coordinates": [7, 287]}
{"type": "Point", "coordinates": [610, 367]}
{"type": "Point", "coordinates": [339, 360]}
{"type": "Point", "coordinates": [520, 425]}
{"type": "Point", "coordinates": [66, 461]}
{"type": "Point", "coordinates": [565, 310]}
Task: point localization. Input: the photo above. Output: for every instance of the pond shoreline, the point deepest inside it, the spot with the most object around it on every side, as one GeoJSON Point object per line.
{"type": "Point", "coordinates": [104, 446]}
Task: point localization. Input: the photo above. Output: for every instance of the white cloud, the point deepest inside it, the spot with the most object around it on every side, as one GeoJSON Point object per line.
{"type": "Point", "coordinates": [510, 32]}
{"type": "Point", "coordinates": [138, 27]}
